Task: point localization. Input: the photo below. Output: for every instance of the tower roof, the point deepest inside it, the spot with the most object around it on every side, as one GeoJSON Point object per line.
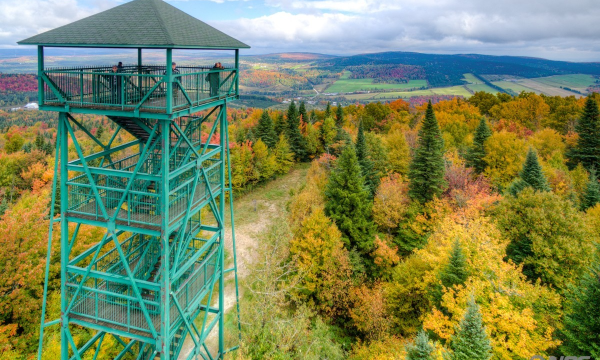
{"type": "Point", "coordinates": [138, 23]}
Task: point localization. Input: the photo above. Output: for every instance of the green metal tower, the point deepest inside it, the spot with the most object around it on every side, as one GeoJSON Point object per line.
{"type": "Point", "coordinates": [153, 279]}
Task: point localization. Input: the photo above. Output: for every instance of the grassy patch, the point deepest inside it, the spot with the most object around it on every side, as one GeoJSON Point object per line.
{"type": "Point", "coordinates": [574, 81]}
{"type": "Point", "coordinates": [345, 84]}
{"type": "Point", "coordinates": [515, 87]}
{"type": "Point", "coordinates": [482, 87]}
{"type": "Point", "coordinates": [453, 90]}
{"type": "Point", "coordinates": [471, 79]}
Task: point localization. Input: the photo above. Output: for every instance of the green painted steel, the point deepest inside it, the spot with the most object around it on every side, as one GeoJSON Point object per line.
{"type": "Point", "coordinates": [158, 274]}
{"type": "Point", "coordinates": [140, 91]}
{"type": "Point", "coordinates": [138, 24]}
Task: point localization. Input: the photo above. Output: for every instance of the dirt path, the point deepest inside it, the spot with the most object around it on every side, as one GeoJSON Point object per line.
{"type": "Point", "coordinates": [254, 212]}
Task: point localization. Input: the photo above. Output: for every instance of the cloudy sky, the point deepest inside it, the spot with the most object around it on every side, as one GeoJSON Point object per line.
{"type": "Point", "coordinates": [553, 29]}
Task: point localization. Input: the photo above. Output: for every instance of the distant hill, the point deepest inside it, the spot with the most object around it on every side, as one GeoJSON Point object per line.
{"type": "Point", "coordinates": [290, 57]}
{"type": "Point", "coordinates": [448, 70]}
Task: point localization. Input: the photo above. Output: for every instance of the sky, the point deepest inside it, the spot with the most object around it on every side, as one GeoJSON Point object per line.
{"type": "Point", "coordinates": [552, 29]}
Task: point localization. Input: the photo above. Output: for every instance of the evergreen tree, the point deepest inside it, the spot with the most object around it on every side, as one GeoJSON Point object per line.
{"type": "Point", "coordinates": [531, 176]}
{"type": "Point", "coordinates": [250, 136]}
{"type": "Point", "coordinates": [366, 165]}
{"type": "Point", "coordinates": [265, 130]}
{"type": "Point", "coordinates": [582, 318]}
{"type": "Point", "coordinates": [470, 341]}
{"type": "Point", "coordinates": [328, 110]}
{"type": "Point", "coordinates": [587, 150]}
{"type": "Point", "coordinates": [302, 112]}
{"type": "Point", "coordinates": [427, 171]}
{"type": "Point", "coordinates": [293, 133]}
{"type": "Point", "coordinates": [328, 133]}
{"type": "Point", "coordinates": [421, 349]}
{"type": "Point", "coordinates": [280, 124]}
{"type": "Point", "coordinates": [454, 273]}
{"type": "Point", "coordinates": [99, 132]}
{"type": "Point", "coordinates": [476, 152]}
{"type": "Point", "coordinates": [313, 116]}
{"type": "Point", "coordinates": [339, 116]}
{"type": "Point", "coordinates": [591, 197]}
{"type": "Point", "coordinates": [348, 204]}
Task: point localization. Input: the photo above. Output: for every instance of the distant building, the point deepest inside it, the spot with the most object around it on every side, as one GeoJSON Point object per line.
{"type": "Point", "coordinates": [31, 106]}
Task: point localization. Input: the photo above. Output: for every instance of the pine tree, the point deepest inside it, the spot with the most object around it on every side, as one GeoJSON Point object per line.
{"type": "Point", "coordinates": [427, 168]}
{"type": "Point", "coordinates": [293, 133]}
{"type": "Point", "coordinates": [280, 124]}
{"type": "Point", "coordinates": [421, 349]}
{"type": "Point", "coordinates": [302, 112]}
{"type": "Point", "coordinates": [531, 176]}
{"type": "Point", "coordinates": [476, 152]}
{"type": "Point", "coordinates": [470, 341]}
{"type": "Point", "coordinates": [366, 165]}
{"type": "Point", "coordinates": [339, 116]}
{"type": "Point", "coordinates": [582, 318]}
{"type": "Point", "coordinates": [328, 133]}
{"type": "Point", "coordinates": [452, 274]}
{"type": "Point", "coordinates": [455, 272]}
{"type": "Point", "coordinates": [265, 130]}
{"type": "Point", "coordinates": [313, 116]}
{"type": "Point", "coordinates": [587, 150]}
{"type": "Point", "coordinates": [591, 197]}
{"type": "Point", "coordinates": [348, 204]}
{"type": "Point", "coordinates": [284, 157]}
{"type": "Point", "coordinates": [328, 110]}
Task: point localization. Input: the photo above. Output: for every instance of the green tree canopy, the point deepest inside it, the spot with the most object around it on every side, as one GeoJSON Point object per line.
{"type": "Point", "coordinates": [582, 318]}
{"type": "Point", "coordinates": [476, 153]}
{"type": "Point", "coordinates": [366, 165]}
{"type": "Point", "coordinates": [531, 176]}
{"type": "Point", "coordinates": [348, 203]}
{"type": "Point", "coordinates": [426, 172]}
{"type": "Point", "coordinates": [587, 150]}
{"type": "Point", "coordinates": [591, 196]}
{"type": "Point", "coordinates": [470, 341]}
{"type": "Point", "coordinates": [421, 348]}
{"type": "Point", "coordinates": [265, 130]}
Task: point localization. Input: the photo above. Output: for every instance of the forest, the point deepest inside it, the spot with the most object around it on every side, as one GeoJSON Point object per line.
{"type": "Point", "coordinates": [458, 229]}
{"type": "Point", "coordinates": [447, 70]}
{"type": "Point", "coordinates": [17, 89]}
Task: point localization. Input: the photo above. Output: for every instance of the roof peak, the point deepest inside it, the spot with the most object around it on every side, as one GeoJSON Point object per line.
{"type": "Point", "coordinates": [138, 23]}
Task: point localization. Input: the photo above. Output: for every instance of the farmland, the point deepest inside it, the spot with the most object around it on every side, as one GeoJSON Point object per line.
{"type": "Point", "coordinates": [452, 90]}
{"type": "Point", "coordinates": [345, 85]}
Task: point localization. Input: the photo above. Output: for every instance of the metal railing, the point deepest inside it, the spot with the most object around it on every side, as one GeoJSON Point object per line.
{"type": "Point", "coordinates": [142, 205]}
{"type": "Point", "coordinates": [136, 88]}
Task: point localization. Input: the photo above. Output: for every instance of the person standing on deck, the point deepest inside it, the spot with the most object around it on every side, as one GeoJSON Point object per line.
{"type": "Point", "coordinates": [115, 86]}
{"type": "Point", "coordinates": [174, 71]}
{"type": "Point", "coordinates": [213, 79]}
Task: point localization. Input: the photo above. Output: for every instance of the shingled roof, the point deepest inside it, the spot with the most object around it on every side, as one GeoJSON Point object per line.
{"type": "Point", "coordinates": [139, 23]}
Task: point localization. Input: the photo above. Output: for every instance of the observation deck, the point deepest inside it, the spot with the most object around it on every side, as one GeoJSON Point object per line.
{"type": "Point", "coordinates": [136, 90]}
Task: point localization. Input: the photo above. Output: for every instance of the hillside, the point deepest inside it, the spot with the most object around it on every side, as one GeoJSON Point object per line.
{"type": "Point", "coordinates": [448, 70]}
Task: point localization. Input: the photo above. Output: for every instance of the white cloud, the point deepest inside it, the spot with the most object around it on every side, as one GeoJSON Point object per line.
{"type": "Point", "coordinates": [24, 18]}
{"type": "Point", "coordinates": [551, 28]}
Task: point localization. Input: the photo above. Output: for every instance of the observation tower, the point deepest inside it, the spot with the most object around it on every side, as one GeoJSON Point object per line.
{"type": "Point", "coordinates": [157, 277]}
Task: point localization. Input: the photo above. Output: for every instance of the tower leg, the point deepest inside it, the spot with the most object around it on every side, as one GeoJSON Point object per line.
{"type": "Point", "coordinates": [64, 235]}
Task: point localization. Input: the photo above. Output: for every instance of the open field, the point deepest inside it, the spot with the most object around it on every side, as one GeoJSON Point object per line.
{"type": "Point", "coordinates": [515, 87]}
{"type": "Point", "coordinates": [578, 82]}
{"type": "Point", "coordinates": [471, 79]}
{"type": "Point", "coordinates": [453, 90]}
{"type": "Point", "coordinates": [545, 88]}
{"type": "Point", "coordinates": [481, 87]}
{"type": "Point", "coordinates": [344, 85]}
